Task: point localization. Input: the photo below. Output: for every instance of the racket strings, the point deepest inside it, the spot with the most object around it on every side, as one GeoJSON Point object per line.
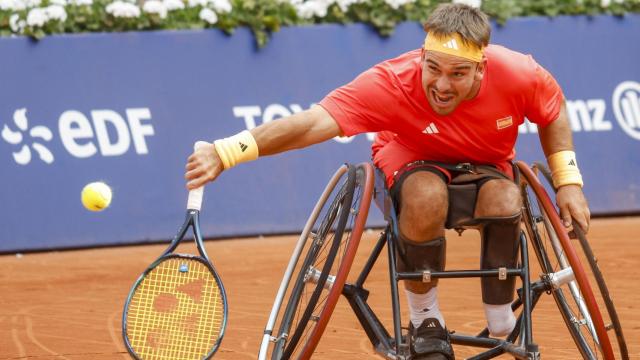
{"type": "Point", "coordinates": [176, 312]}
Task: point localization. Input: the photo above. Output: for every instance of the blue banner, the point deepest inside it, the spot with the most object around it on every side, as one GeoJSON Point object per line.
{"type": "Point", "coordinates": [127, 108]}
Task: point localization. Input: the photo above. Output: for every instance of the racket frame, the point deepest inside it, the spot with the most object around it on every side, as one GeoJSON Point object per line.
{"type": "Point", "coordinates": [192, 221]}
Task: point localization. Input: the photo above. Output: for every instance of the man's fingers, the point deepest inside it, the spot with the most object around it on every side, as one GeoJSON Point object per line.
{"type": "Point", "coordinates": [197, 179]}
{"type": "Point", "coordinates": [587, 216]}
{"type": "Point", "coordinates": [194, 174]}
{"type": "Point", "coordinates": [585, 226]}
{"type": "Point", "coordinates": [200, 168]}
{"type": "Point", "coordinates": [573, 207]}
{"type": "Point", "coordinates": [193, 161]}
{"type": "Point", "coordinates": [565, 214]}
{"type": "Point", "coordinates": [195, 183]}
{"type": "Point", "coordinates": [581, 217]}
{"type": "Point", "coordinates": [583, 222]}
{"type": "Point", "coordinates": [192, 158]}
{"type": "Point", "coordinates": [191, 165]}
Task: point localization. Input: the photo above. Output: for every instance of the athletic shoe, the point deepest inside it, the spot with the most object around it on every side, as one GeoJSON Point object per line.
{"type": "Point", "coordinates": [430, 341]}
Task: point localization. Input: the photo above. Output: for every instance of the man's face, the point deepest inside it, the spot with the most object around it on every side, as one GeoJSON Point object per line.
{"type": "Point", "coordinates": [448, 79]}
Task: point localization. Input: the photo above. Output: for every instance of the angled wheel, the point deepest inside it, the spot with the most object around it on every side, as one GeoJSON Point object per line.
{"type": "Point", "coordinates": [319, 266]}
{"type": "Point", "coordinates": [609, 313]}
{"type": "Point", "coordinates": [571, 272]}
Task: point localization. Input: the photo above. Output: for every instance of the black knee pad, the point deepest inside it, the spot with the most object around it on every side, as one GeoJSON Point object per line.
{"type": "Point", "coordinates": [413, 256]}
{"type": "Point", "coordinates": [500, 245]}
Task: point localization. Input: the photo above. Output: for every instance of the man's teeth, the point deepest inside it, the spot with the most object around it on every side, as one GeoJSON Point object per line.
{"type": "Point", "coordinates": [442, 98]}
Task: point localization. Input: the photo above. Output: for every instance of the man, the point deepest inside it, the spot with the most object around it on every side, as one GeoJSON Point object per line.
{"type": "Point", "coordinates": [456, 100]}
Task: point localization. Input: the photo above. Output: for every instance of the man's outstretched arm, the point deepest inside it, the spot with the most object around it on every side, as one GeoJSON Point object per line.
{"type": "Point", "coordinates": [293, 132]}
{"type": "Point", "coordinates": [556, 140]}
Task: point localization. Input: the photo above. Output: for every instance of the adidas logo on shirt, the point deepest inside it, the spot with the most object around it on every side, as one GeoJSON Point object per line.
{"type": "Point", "coordinates": [451, 44]}
{"type": "Point", "coordinates": [431, 129]}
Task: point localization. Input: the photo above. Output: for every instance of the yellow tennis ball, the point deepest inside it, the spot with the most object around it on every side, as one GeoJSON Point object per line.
{"type": "Point", "coordinates": [96, 196]}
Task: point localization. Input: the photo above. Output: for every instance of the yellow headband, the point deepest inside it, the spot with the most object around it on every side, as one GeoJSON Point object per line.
{"type": "Point", "coordinates": [453, 45]}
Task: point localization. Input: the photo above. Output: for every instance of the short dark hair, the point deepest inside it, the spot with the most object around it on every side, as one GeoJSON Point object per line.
{"type": "Point", "coordinates": [471, 23]}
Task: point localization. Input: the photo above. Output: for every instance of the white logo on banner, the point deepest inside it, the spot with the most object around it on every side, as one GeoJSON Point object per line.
{"type": "Point", "coordinates": [584, 115]}
{"type": "Point", "coordinates": [250, 113]}
{"type": "Point", "coordinates": [23, 156]}
{"type": "Point", "coordinates": [626, 107]}
{"type": "Point", "coordinates": [107, 133]}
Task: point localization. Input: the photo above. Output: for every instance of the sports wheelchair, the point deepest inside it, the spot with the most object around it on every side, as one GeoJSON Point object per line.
{"type": "Point", "coordinates": [317, 271]}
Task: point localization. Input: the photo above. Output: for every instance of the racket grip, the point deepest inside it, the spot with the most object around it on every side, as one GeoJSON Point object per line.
{"type": "Point", "coordinates": [195, 196]}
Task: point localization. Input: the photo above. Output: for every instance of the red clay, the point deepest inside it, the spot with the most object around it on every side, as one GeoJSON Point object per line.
{"type": "Point", "coordinates": [68, 305]}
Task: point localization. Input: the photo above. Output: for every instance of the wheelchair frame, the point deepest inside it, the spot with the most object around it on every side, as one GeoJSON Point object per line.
{"type": "Point", "coordinates": [519, 343]}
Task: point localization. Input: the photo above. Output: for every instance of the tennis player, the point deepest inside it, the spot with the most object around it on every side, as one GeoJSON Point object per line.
{"type": "Point", "coordinates": [446, 113]}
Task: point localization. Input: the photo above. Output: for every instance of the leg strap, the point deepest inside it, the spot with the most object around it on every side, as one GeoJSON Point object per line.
{"type": "Point", "coordinates": [499, 249]}
{"type": "Point", "coordinates": [413, 256]}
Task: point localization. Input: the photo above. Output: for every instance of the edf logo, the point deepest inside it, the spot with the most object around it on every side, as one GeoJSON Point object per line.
{"type": "Point", "coordinates": [626, 107]}
{"type": "Point", "coordinates": [107, 132]}
{"type": "Point", "coordinates": [17, 137]}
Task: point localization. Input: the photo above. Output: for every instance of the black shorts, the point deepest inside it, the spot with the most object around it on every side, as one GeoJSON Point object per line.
{"type": "Point", "coordinates": [463, 182]}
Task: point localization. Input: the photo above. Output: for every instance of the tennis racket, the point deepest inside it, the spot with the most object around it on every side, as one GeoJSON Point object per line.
{"type": "Point", "coordinates": [177, 308]}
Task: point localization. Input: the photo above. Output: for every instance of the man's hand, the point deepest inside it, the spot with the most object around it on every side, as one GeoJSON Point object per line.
{"type": "Point", "coordinates": [572, 203]}
{"type": "Point", "coordinates": [203, 165]}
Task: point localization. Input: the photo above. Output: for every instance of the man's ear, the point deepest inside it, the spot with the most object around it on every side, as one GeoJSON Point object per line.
{"type": "Point", "coordinates": [480, 69]}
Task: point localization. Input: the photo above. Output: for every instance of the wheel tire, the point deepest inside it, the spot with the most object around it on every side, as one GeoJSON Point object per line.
{"type": "Point", "coordinates": [324, 263]}
{"type": "Point", "coordinates": [557, 255]}
{"type": "Point", "coordinates": [611, 318]}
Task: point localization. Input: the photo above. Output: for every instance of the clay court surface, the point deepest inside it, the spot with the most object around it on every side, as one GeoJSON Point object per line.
{"type": "Point", "coordinates": [68, 304]}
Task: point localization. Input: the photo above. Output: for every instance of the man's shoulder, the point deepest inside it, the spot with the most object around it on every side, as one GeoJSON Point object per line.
{"type": "Point", "coordinates": [407, 62]}
{"type": "Point", "coordinates": [411, 56]}
{"type": "Point", "coordinates": [515, 66]}
{"type": "Point", "coordinates": [508, 58]}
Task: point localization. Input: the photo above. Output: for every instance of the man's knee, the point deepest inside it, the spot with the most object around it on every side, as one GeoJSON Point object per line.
{"type": "Point", "coordinates": [423, 205]}
{"type": "Point", "coordinates": [498, 198]}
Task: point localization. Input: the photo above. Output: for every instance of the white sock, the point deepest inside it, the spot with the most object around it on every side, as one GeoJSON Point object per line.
{"type": "Point", "coordinates": [424, 306]}
{"type": "Point", "coordinates": [500, 319]}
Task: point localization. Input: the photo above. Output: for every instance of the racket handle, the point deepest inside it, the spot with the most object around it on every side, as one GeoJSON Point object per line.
{"type": "Point", "coordinates": [195, 196]}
